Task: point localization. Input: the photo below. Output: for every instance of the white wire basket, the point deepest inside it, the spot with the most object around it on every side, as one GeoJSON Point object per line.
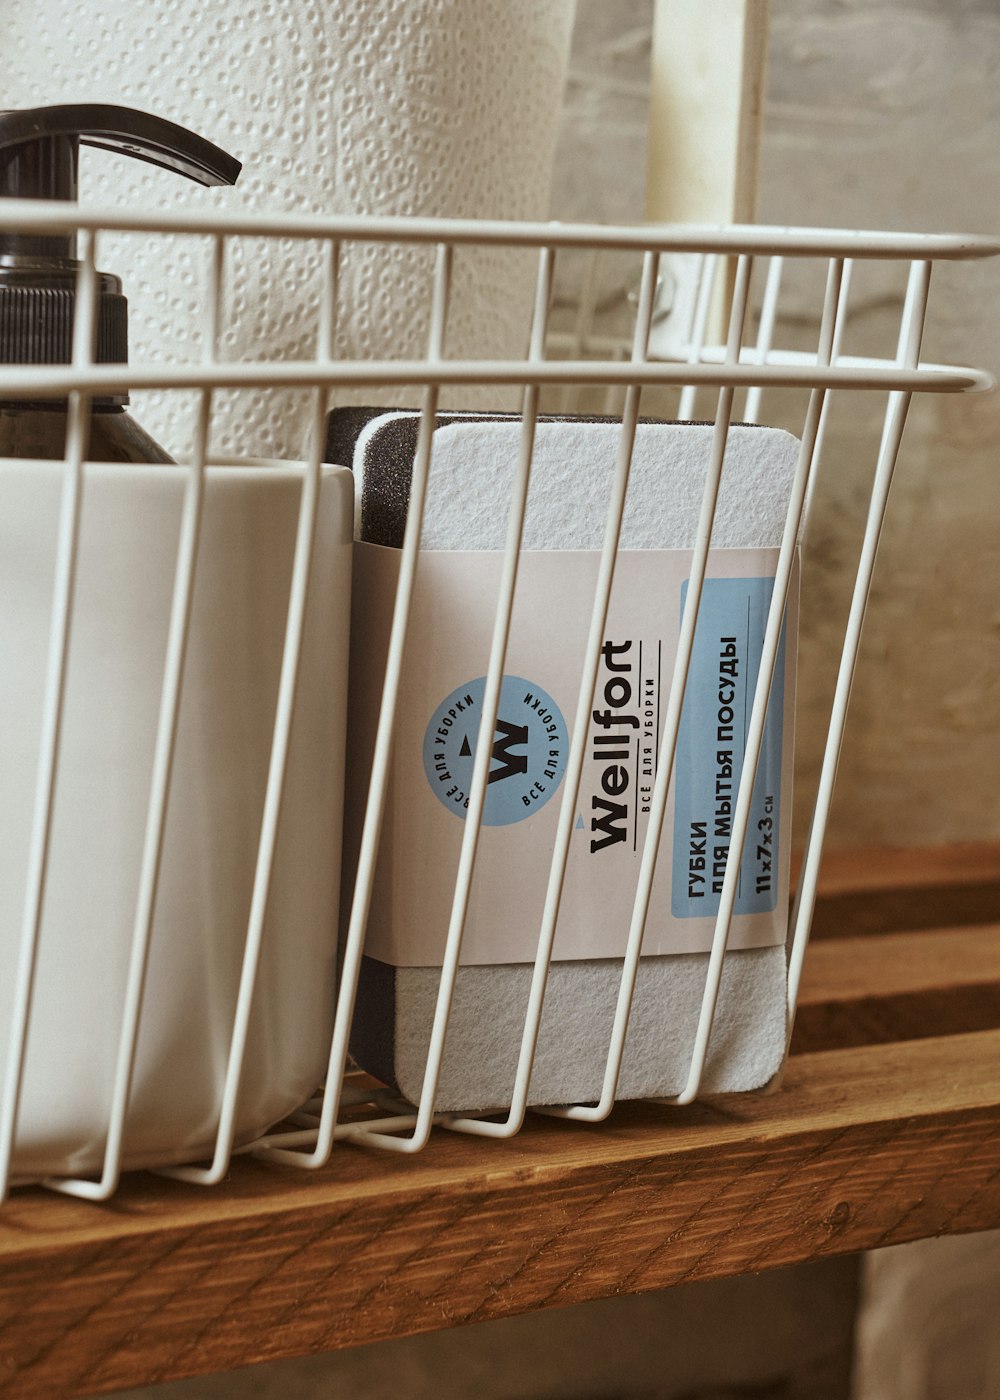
{"type": "Point", "coordinates": [577, 363]}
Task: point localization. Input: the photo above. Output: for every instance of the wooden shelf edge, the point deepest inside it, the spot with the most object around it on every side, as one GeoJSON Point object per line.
{"type": "Point", "coordinates": [867, 869]}
{"type": "Point", "coordinates": [862, 1148]}
{"type": "Point", "coordinates": [898, 986]}
{"type": "Point", "coordinates": [882, 889]}
{"type": "Point", "coordinates": [883, 1133]}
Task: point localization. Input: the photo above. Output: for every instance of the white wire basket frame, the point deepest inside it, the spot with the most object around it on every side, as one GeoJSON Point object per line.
{"type": "Point", "coordinates": [307, 1140]}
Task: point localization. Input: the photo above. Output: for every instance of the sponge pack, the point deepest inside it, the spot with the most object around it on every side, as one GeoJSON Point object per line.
{"type": "Point", "coordinates": [467, 507]}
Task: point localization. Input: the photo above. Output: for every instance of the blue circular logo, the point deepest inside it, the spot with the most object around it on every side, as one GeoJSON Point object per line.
{"type": "Point", "coordinates": [530, 750]}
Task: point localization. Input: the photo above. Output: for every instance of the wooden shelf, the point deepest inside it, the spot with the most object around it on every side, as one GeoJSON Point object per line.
{"type": "Point", "coordinates": [887, 1129]}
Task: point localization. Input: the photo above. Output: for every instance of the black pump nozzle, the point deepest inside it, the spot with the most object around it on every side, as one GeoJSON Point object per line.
{"type": "Point", "coordinates": [138, 134]}
{"type": "Point", "coordinates": [39, 155]}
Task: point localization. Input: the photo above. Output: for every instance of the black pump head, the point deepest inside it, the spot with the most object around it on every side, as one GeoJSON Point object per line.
{"type": "Point", "coordinates": [39, 155]}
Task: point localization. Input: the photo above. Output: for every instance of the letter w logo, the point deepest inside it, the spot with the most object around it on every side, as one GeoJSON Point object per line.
{"type": "Point", "coordinates": [509, 736]}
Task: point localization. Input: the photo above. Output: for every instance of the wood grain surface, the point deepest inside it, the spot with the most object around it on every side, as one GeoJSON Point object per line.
{"type": "Point", "coordinates": [876, 1137]}
{"type": "Point", "coordinates": [899, 986]}
{"type": "Point", "coordinates": [880, 890]}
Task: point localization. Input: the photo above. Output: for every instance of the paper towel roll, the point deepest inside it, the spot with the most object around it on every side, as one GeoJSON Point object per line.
{"type": "Point", "coordinates": [420, 107]}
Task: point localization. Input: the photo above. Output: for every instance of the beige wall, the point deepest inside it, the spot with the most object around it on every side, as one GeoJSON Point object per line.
{"type": "Point", "coordinates": [880, 115]}
{"type": "Point", "coordinates": [884, 116]}
{"type": "Point", "coordinates": [889, 116]}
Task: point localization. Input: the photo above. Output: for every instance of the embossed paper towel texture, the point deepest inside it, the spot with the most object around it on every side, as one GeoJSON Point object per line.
{"type": "Point", "coordinates": [423, 107]}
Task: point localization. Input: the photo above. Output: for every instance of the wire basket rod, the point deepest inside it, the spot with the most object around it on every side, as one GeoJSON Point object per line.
{"type": "Point", "coordinates": [77, 432]}
{"type": "Point", "coordinates": [762, 695]}
{"type": "Point", "coordinates": [564, 831]}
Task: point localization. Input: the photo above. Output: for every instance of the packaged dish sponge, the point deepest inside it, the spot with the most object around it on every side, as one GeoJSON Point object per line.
{"type": "Point", "coordinates": [473, 461]}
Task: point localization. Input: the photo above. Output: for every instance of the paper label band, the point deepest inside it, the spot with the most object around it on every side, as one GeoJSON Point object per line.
{"type": "Point", "coordinates": [438, 722]}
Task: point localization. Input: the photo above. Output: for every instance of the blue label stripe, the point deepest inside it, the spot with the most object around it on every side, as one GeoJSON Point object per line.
{"type": "Point", "coordinates": [725, 663]}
